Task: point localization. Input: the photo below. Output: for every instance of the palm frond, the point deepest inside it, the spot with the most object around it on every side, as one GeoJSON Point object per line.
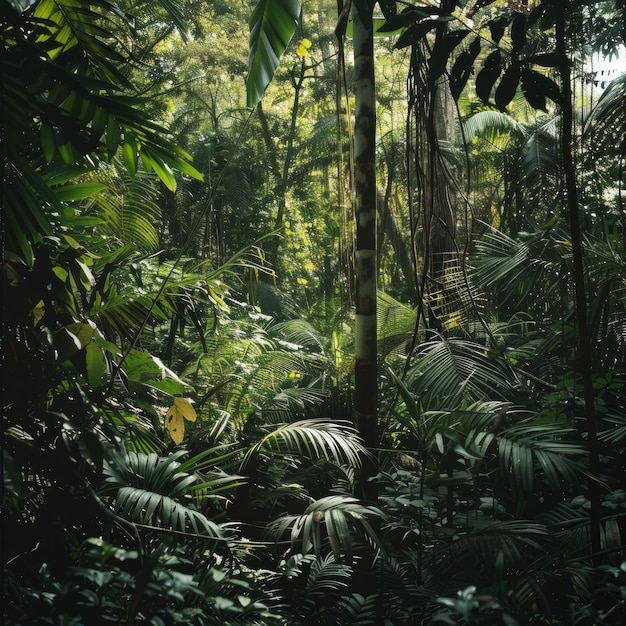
{"type": "Point", "coordinates": [502, 258]}
{"type": "Point", "coordinates": [128, 208]}
{"type": "Point", "coordinates": [395, 321]}
{"type": "Point", "coordinates": [448, 371]}
{"type": "Point", "coordinates": [315, 439]}
{"type": "Point", "coordinates": [568, 523]}
{"type": "Point", "coordinates": [491, 124]}
{"type": "Point", "coordinates": [547, 447]}
{"type": "Point", "coordinates": [511, 539]}
{"type": "Point", "coordinates": [326, 582]}
{"type": "Point", "coordinates": [301, 333]}
{"type": "Point", "coordinates": [539, 163]}
{"type": "Point", "coordinates": [291, 404]}
{"type": "Point", "coordinates": [606, 124]}
{"type": "Point", "coordinates": [330, 521]}
{"type": "Point", "coordinates": [525, 269]}
{"type": "Point", "coordinates": [148, 489]}
{"type": "Point", "coordinates": [357, 609]}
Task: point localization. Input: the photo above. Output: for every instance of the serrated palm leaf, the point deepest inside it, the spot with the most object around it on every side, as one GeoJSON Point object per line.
{"type": "Point", "coordinates": [128, 209]}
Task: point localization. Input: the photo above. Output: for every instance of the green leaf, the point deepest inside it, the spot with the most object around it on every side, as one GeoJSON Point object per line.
{"type": "Point", "coordinates": [415, 33]}
{"type": "Point", "coordinates": [388, 7]}
{"type": "Point", "coordinates": [497, 27]}
{"type": "Point", "coordinates": [441, 53]}
{"type": "Point", "coordinates": [113, 136]}
{"type": "Point", "coordinates": [48, 142]}
{"type": "Point", "coordinates": [537, 87]}
{"type": "Point", "coordinates": [153, 162]}
{"type": "Point", "coordinates": [272, 25]}
{"type": "Point", "coordinates": [409, 16]}
{"type": "Point", "coordinates": [130, 154]}
{"type": "Point", "coordinates": [82, 332]}
{"type": "Point", "coordinates": [508, 86]}
{"type": "Point", "coordinates": [463, 68]}
{"type": "Point", "coordinates": [96, 365]}
{"type": "Point", "coordinates": [488, 76]}
{"type": "Point", "coordinates": [548, 59]}
{"type": "Point", "coordinates": [518, 31]}
{"type": "Point", "coordinates": [67, 153]}
{"type": "Point", "coordinates": [78, 191]}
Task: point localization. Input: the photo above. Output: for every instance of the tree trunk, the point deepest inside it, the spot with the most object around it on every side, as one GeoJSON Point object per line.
{"type": "Point", "coordinates": [365, 375]}
{"type": "Point", "coordinates": [431, 103]}
{"type": "Point", "coordinates": [584, 351]}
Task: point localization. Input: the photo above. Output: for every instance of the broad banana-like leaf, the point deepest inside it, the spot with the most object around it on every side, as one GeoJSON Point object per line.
{"type": "Point", "coordinates": [272, 25]}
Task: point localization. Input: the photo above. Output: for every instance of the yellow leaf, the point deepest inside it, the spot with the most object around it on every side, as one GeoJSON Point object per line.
{"type": "Point", "coordinates": [185, 409]}
{"type": "Point", "coordinates": [38, 312]}
{"type": "Point", "coordinates": [301, 51]}
{"type": "Point", "coordinates": [306, 43]}
{"type": "Point", "coordinates": [175, 418]}
{"type": "Point", "coordinates": [175, 424]}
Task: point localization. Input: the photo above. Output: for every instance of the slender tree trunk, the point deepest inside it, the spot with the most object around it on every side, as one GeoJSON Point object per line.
{"type": "Point", "coordinates": [583, 362]}
{"type": "Point", "coordinates": [366, 375]}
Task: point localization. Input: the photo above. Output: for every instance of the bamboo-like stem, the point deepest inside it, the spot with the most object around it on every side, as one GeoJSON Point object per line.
{"type": "Point", "coordinates": [366, 374]}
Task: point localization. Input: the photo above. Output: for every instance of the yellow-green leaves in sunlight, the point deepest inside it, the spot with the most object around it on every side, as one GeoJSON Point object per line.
{"type": "Point", "coordinates": [176, 416]}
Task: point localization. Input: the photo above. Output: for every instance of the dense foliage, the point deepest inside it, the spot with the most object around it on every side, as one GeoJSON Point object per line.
{"type": "Point", "coordinates": [180, 280]}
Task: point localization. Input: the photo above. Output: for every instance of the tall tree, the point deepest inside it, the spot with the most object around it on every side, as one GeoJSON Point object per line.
{"type": "Point", "coordinates": [273, 21]}
{"type": "Point", "coordinates": [365, 191]}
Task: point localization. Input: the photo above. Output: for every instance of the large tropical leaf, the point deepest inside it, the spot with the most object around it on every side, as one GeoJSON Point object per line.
{"type": "Point", "coordinates": [606, 124]}
{"type": "Point", "coordinates": [128, 208]}
{"type": "Point", "coordinates": [272, 25]}
{"type": "Point", "coordinates": [148, 489]}
{"type": "Point", "coordinates": [526, 448]}
{"type": "Point", "coordinates": [65, 100]}
{"type": "Point", "coordinates": [334, 519]}
{"type": "Point", "coordinates": [315, 439]}
{"type": "Point", "coordinates": [447, 372]}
